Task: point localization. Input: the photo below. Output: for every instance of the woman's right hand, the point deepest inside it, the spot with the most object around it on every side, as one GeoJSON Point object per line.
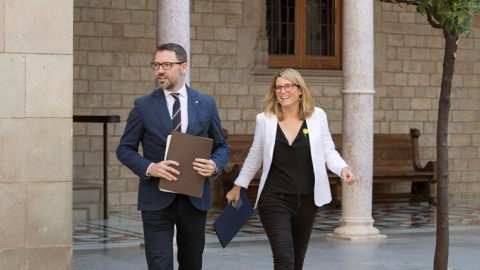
{"type": "Point", "coordinates": [233, 195]}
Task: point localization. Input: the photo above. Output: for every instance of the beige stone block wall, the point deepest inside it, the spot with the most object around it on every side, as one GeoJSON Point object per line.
{"type": "Point", "coordinates": [12, 83]}
{"type": "Point", "coordinates": [2, 25]}
{"type": "Point", "coordinates": [27, 33]}
{"type": "Point", "coordinates": [13, 228]}
{"type": "Point", "coordinates": [36, 70]}
{"type": "Point", "coordinates": [42, 258]}
{"type": "Point", "coordinates": [46, 204]}
{"type": "Point", "coordinates": [408, 89]}
{"type": "Point", "coordinates": [46, 97]}
{"type": "Point", "coordinates": [35, 150]}
{"type": "Point", "coordinates": [114, 43]}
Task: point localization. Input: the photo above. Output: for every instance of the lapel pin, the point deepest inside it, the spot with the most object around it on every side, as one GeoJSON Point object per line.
{"type": "Point", "coordinates": [196, 101]}
{"type": "Point", "coordinates": [305, 132]}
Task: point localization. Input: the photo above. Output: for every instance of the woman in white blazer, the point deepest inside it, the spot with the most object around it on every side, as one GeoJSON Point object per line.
{"type": "Point", "coordinates": [293, 142]}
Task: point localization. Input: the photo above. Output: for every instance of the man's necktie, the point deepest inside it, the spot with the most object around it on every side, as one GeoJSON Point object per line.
{"type": "Point", "coordinates": [176, 115]}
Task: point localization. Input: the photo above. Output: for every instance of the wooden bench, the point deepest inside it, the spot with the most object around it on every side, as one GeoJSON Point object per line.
{"type": "Point", "coordinates": [396, 159]}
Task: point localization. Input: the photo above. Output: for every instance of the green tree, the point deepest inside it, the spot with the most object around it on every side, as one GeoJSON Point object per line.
{"type": "Point", "coordinates": [454, 18]}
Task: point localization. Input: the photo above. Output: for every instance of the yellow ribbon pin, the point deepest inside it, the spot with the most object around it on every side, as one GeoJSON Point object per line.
{"type": "Point", "coordinates": [305, 132]}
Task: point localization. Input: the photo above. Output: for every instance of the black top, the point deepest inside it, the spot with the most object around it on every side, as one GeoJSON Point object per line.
{"type": "Point", "coordinates": [291, 171]}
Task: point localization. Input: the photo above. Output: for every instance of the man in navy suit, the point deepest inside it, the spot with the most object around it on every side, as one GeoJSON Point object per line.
{"type": "Point", "coordinates": [172, 106]}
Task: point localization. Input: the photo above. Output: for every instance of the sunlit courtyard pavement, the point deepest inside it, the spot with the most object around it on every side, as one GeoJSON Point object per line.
{"type": "Point", "coordinates": [410, 229]}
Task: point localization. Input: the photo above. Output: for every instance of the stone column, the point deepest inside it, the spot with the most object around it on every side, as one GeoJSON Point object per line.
{"type": "Point", "coordinates": [173, 25]}
{"type": "Point", "coordinates": [36, 90]}
{"type": "Point", "coordinates": [358, 85]}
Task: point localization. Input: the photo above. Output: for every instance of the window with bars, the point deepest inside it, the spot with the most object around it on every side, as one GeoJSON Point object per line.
{"type": "Point", "coordinates": [304, 33]}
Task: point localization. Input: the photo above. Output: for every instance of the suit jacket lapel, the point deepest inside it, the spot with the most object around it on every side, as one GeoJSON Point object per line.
{"type": "Point", "coordinates": [160, 105]}
{"type": "Point", "coordinates": [193, 104]}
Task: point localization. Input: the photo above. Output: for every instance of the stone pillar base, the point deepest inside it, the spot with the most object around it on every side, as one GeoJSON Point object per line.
{"type": "Point", "coordinates": [356, 229]}
{"type": "Point", "coordinates": [334, 236]}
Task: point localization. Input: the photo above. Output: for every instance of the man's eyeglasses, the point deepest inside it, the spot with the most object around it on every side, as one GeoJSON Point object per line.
{"type": "Point", "coordinates": [164, 65]}
{"type": "Point", "coordinates": [288, 87]}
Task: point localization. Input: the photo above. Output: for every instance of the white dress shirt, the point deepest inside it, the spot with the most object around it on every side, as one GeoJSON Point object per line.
{"type": "Point", "coordinates": [183, 105]}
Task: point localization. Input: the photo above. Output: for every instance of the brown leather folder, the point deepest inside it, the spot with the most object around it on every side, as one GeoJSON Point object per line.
{"type": "Point", "coordinates": [184, 148]}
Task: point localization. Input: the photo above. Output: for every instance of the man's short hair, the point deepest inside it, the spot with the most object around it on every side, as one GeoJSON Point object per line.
{"type": "Point", "coordinates": [180, 52]}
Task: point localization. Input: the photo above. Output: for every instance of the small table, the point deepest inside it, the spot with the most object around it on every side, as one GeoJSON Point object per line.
{"type": "Point", "coordinates": [105, 120]}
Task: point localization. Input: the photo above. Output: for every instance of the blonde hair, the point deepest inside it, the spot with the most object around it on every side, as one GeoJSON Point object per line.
{"type": "Point", "coordinates": [306, 105]}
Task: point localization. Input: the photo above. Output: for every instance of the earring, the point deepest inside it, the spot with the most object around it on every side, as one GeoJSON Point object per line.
{"type": "Point", "coordinates": [300, 98]}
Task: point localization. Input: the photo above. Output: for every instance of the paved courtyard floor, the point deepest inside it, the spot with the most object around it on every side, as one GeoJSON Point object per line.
{"type": "Point", "coordinates": [410, 229]}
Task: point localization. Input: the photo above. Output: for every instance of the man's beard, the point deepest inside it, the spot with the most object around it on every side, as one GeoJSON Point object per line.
{"type": "Point", "coordinates": [169, 84]}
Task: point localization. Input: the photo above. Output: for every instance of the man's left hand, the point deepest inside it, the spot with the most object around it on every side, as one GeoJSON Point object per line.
{"type": "Point", "coordinates": [204, 167]}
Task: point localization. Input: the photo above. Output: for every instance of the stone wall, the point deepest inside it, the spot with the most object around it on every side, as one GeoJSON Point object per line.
{"type": "Point", "coordinates": [114, 41]}
{"type": "Point", "coordinates": [36, 64]}
{"type": "Point", "coordinates": [409, 64]}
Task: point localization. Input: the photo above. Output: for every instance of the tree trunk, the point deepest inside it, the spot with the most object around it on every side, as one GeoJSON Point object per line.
{"type": "Point", "coordinates": [442, 244]}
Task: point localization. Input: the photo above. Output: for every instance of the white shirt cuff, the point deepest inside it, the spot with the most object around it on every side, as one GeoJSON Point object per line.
{"type": "Point", "coordinates": [146, 173]}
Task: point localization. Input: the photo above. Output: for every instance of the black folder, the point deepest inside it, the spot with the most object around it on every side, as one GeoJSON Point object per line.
{"type": "Point", "coordinates": [184, 148]}
{"type": "Point", "coordinates": [232, 219]}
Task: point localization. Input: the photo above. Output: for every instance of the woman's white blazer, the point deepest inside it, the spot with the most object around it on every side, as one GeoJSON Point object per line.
{"type": "Point", "coordinates": [322, 149]}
